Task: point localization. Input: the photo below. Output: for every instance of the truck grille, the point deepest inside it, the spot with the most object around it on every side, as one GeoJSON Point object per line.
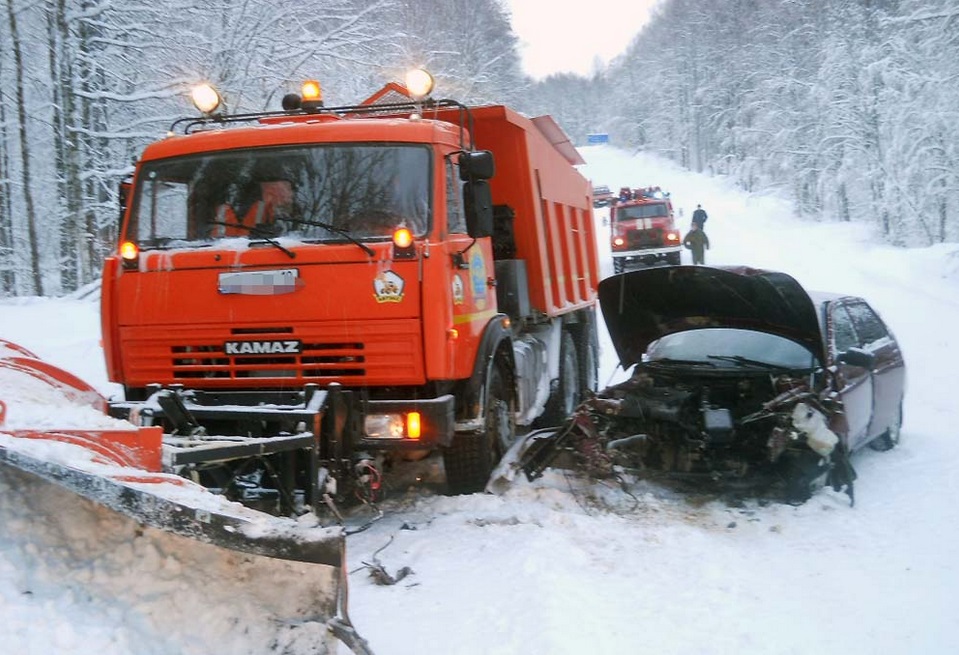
{"type": "Point", "coordinates": [316, 360]}
{"type": "Point", "coordinates": [645, 238]}
{"type": "Point", "coordinates": [373, 353]}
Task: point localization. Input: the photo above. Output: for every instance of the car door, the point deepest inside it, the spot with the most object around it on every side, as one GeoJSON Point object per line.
{"type": "Point", "coordinates": [888, 373]}
{"type": "Point", "coordinates": [853, 383]}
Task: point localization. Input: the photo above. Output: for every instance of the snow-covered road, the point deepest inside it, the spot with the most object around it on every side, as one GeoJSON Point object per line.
{"type": "Point", "coordinates": [554, 567]}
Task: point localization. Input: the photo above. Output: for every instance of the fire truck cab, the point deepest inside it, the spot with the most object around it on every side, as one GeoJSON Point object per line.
{"type": "Point", "coordinates": [643, 228]}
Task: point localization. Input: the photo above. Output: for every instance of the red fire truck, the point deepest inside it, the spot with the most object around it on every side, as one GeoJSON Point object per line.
{"type": "Point", "coordinates": [643, 228]}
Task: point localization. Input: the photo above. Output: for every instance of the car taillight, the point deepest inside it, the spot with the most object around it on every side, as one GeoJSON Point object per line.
{"type": "Point", "coordinates": [672, 236]}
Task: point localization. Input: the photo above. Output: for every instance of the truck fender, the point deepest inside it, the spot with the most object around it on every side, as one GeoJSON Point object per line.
{"type": "Point", "coordinates": [496, 343]}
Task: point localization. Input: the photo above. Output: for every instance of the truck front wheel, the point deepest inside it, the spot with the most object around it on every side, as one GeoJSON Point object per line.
{"type": "Point", "coordinates": [470, 459]}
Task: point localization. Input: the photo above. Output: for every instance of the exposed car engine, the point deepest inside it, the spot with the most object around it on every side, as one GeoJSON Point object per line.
{"type": "Point", "coordinates": [766, 433]}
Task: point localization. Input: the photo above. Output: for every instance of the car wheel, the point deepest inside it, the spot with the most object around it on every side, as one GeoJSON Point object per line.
{"type": "Point", "coordinates": [673, 259]}
{"type": "Point", "coordinates": [890, 438]}
{"type": "Point", "coordinates": [470, 459]}
{"type": "Point", "coordinates": [619, 265]}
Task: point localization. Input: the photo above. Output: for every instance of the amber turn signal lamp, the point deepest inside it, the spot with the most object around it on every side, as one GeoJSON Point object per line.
{"type": "Point", "coordinates": [414, 428]}
{"type": "Point", "coordinates": [129, 252]}
{"type": "Point", "coordinates": [402, 238]}
{"type": "Point", "coordinates": [403, 244]}
{"type": "Point", "coordinates": [311, 91]}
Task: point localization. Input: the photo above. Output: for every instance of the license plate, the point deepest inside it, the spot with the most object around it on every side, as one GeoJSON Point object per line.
{"type": "Point", "coordinates": [260, 283]}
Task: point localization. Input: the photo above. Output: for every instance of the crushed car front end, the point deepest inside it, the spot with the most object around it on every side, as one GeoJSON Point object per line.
{"type": "Point", "coordinates": [728, 389]}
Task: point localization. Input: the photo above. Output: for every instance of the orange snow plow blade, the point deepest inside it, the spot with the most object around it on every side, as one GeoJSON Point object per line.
{"type": "Point", "coordinates": [54, 426]}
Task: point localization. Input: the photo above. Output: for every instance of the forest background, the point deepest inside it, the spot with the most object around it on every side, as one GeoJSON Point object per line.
{"type": "Point", "coordinates": [851, 107]}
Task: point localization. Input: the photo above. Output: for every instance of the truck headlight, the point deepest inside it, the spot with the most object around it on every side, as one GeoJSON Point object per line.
{"type": "Point", "coordinates": [393, 426]}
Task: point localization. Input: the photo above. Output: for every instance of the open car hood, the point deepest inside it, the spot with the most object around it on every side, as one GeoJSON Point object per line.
{"type": "Point", "coordinates": [641, 306]}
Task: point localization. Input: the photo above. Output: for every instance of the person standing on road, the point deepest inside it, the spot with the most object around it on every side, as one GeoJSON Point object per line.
{"type": "Point", "coordinates": [697, 242]}
{"type": "Point", "coordinates": [699, 217]}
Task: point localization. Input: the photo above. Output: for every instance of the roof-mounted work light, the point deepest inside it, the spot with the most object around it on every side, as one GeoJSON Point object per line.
{"type": "Point", "coordinates": [419, 83]}
{"type": "Point", "coordinates": [206, 99]}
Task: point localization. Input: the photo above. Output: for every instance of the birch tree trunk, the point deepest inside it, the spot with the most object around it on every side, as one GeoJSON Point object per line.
{"type": "Point", "coordinates": [36, 274]}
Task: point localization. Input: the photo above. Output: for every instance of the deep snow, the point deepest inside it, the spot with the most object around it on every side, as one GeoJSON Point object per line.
{"type": "Point", "coordinates": [559, 566]}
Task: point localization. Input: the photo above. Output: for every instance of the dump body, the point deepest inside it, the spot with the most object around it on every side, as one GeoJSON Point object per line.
{"type": "Point", "coordinates": [553, 225]}
{"type": "Point", "coordinates": [267, 266]}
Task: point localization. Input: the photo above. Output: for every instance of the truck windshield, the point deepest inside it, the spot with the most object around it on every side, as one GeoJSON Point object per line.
{"type": "Point", "coordinates": [310, 193]}
{"type": "Point", "coordinates": [648, 210]}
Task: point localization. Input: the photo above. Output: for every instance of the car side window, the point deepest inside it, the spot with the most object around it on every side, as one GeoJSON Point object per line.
{"type": "Point", "coordinates": [869, 326]}
{"type": "Point", "coordinates": [843, 335]}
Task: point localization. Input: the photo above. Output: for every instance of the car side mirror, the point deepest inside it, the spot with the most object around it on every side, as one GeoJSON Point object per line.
{"type": "Point", "coordinates": [857, 357]}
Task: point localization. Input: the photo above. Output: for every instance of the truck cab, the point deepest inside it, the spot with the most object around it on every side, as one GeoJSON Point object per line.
{"type": "Point", "coordinates": [643, 229]}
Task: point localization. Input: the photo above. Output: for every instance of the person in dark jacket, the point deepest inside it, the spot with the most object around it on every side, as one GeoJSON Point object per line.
{"type": "Point", "coordinates": [699, 216]}
{"type": "Point", "coordinates": [697, 242]}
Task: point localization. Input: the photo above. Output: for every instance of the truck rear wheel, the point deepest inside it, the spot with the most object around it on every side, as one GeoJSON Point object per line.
{"type": "Point", "coordinates": [470, 459]}
{"type": "Point", "coordinates": [619, 265]}
{"type": "Point", "coordinates": [567, 394]}
{"type": "Point", "coordinates": [586, 348]}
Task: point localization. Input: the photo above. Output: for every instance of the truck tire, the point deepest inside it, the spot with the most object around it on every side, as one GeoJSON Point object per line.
{"type": "Point", "coordinates": [470, 459]}
{"type": "Point", "coordinates": [586, 347]}
{"type": "Point", "coordinates": [568, 393]}
{"type": "Point", "coordinates": [619, 265]}
{"type": "Point", "coordinates": [673, 259]}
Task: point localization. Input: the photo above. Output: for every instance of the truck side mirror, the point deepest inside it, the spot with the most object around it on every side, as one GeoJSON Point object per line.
{"type": "Point", "coordinates": [123, 195]}
{"type": "Point", "coordinates": [476, 165]}
{"type": "Point", "coordinates": [478, 202]}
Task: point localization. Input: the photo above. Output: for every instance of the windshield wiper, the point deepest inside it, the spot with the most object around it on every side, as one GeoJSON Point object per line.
{"type": "Point", "coordinates": [258, 232]}
{"type": "Point", "coordinates": [332, 228]}
{"type": "Point", "coordinates": [683, 362]}
{"type": "Point", "coordinates": [746, 361]}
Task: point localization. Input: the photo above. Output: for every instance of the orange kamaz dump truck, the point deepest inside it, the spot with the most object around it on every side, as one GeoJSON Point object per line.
{"type": "Point", "coordinates": [301, 297]}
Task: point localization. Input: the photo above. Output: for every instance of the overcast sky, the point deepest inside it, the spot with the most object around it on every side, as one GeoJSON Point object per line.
{"type": "Point", "coordinates": [560, 37]}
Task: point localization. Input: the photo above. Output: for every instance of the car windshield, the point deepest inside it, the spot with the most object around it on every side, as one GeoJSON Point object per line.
{"type": "Point", "coordinates": [731, 348]}
{"type": "Point", "coordinates": [315, 193]}
{"type": "Point", "coordinates": [647, 210]}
